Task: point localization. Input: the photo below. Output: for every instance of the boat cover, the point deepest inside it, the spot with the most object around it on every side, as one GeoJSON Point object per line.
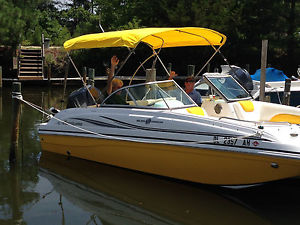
{"type": "Point", "coordinates": [272, 74]}
{"type": "Point", "coordinates": [155, 37]}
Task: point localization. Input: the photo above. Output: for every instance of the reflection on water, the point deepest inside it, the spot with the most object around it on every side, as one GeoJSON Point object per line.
{"type": "Point", "coordinates": [54, 190]}
{"type": "Point", "coordinates": [116, 195]}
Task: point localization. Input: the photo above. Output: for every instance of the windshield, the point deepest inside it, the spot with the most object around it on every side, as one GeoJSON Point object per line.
{"type": "Point", "coordinates": [163, 94]}
{"type": "Point", "coordinates": [228, 87]}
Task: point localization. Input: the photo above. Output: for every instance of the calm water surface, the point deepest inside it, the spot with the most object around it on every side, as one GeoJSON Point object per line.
{"type": "Point", "coordinates": [44, 188]}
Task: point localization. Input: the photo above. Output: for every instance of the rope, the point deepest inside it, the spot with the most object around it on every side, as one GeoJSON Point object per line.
{"type": "Point", "coordinates": [257, 134]}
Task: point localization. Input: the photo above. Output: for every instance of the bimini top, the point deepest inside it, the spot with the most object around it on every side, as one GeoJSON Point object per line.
{"type": "Point", "coordinates": [155, 37]}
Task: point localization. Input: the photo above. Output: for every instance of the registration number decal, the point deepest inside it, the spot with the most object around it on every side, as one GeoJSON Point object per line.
{"type": "Point", "coordinates": [232, 141]}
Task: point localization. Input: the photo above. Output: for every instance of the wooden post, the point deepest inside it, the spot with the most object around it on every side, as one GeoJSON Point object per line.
{"type": "Point", "coordinates": [43, 46]}
{"type": "Point", "coordinates": [287, 92]}
{"type": "Point", "coordinates": [49, 74]}
{"type": "Point", "coordinates": [67, 64]}
{"type": "Point", "coordinates": [16, 114]}
{"type": "Point", "coordinates": [84, 74]}
{"type": "Point", "coordinates": [1, 77]}
{"type": "Point", "coordinates": [208, 67]}
{"type": "Point", "coordinates": [264, 51]}
{"type": "Point", "coordinates": [1, 104]}
{"type": "Point", "coordinates": [43, 55]}
{"type": "Point", "coordinates": [91, 77]}
{"type": "Point", "coordinates": [190, 70]}
{"type": "Point", "coordinates": [169, 68]}
{"type": "Point", "coordinates": [150, 75]}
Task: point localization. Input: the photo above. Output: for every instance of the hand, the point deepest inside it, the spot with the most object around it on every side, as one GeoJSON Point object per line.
{"type": "Point", "coordinates": [172, 75]}
{"type": "Point", "coordinates": [114, 61]}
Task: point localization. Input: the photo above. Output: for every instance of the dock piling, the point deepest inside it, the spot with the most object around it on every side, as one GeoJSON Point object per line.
{"type": "Point", "coordinates": [1, 77]}
{"type": "Point", "coordinates": [287, 92]}
{"type": "Point", "coordinates": [208, 67]}
{"type": "Point", "coordinates": [190, 70]}
{"type": "Point", "coordinates": [67, 64]}
{"type": "Point", "coordinates": [16, 115]}
{"type": "Point", "coordinates": [1, 104]}
{"type": "Point", "coordinates": [1, 92]}
{"type": "Point", "coordinates": [49, 74]}
{"type": "Point", "coordinates": [150, 75]}
{"type": "Point", "coordinates": [264, 50]}
{"type": "Point", "coordinates": [169, 68]}
{"type": "Point", "coordinates": [84, 74]}
{"type": "Point", "coordinates": [91, 75]}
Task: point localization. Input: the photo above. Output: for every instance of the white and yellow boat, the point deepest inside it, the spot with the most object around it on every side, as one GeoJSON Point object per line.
{"type": "Point", "coordinates": [160, 130]}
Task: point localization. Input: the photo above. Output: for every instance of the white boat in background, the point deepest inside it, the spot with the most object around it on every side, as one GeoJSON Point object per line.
{"type": "Point", "coordinates": [274, 91]}
{"type": "Point", "coordinates": [158, 129]}
{"type": "Point", "coordinates": [274, 85]}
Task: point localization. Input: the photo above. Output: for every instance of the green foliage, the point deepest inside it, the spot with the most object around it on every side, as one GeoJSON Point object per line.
{"type": "Point", "coordinates": [55, 57]}
{"type": "Point", "coordinates": [244, 22]}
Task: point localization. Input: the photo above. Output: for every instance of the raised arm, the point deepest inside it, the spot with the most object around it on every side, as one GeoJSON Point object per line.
{"type": "Point", "coordinates": [113, 62]}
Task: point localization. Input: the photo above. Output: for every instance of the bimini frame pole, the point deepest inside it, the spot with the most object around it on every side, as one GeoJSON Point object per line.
{"type": "Point", "coordinates": [84, 84]}
{"type": "Point", "coordinates": [154, 53]}
{"type": "Point", "coordinates": [216, 50]}
{"type": "Point", "coordinates": [157, 56]}
{"type": "Point", "coordinates": [213, 55]}
{"type": "Point", "coordinates": [131, 51]}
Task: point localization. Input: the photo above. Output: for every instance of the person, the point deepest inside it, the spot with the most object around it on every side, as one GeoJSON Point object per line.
{"type": "Point", "coordinates": [189, 88]}
{"type": "Point", "coordinates": [114, 84]}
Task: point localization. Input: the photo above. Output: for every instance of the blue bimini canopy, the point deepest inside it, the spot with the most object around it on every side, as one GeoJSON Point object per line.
{"type": "Point", "coordinates": [272, 74]}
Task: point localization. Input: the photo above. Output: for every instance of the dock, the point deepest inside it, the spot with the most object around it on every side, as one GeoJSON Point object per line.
{"type": "Point", "coordinates": [30, 68]}
{"type": "Point", "coordinates": [77, 80]}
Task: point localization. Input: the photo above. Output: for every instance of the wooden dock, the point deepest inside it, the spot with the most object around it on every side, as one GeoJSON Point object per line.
{"type": "Point", "coordinates": [77, 80]}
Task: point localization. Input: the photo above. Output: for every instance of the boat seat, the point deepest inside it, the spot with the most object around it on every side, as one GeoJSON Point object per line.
{"type": "Point", "coordinates": [197, 110]}
{"type": "Point", "coordinates": [247, 110]}
{"type": "Point", "coordinates": [263, 111]}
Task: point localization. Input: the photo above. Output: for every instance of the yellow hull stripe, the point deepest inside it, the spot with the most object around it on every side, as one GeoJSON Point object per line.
{"type": "Point", "coordinates": [186, 163]}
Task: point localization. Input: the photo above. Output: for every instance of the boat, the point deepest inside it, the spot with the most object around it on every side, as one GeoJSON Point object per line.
{"type": "Point", "coordinates": [275, 85]}
{"type": "Point", "coordinates": [229, 140]}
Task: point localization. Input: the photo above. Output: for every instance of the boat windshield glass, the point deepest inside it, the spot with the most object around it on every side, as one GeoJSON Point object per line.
{"type": "Point", "coordinates": [161, 94]}
{"type": "Point", "coordinates": [229, 87]}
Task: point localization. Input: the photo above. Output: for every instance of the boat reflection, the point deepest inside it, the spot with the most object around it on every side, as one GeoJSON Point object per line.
{"type": "Point", "coordinates": [119, 196]}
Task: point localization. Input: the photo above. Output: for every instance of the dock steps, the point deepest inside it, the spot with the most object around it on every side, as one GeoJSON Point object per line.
{"type": "Point", "coordinates": [30, 63]}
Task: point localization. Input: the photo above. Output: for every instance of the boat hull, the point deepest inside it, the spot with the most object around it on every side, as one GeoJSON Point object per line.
{"type": "Point", "coordinates": [200, 165]}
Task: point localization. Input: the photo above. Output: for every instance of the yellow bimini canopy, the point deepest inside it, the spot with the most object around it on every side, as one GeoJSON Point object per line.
{"type": "Point", "coordinates": [154, 37]}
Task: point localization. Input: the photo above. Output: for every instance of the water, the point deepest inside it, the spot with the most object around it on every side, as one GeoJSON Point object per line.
{"type": "Point", "coordinates": [50, 189]}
